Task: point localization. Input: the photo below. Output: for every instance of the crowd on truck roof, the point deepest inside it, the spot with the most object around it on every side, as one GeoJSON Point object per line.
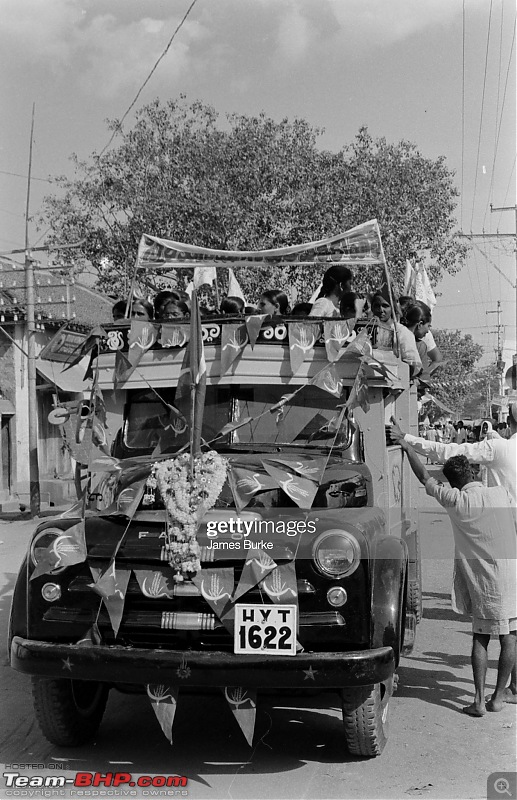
{"type": "Point", "coordinates": [411, 321]}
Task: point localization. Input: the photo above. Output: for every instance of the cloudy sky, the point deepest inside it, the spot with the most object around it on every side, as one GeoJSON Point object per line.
{"type": "Point", "coordinates": [440, 73]}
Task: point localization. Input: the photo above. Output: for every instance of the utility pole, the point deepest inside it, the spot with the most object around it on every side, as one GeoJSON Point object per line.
{"type": "Point", "coordinates": [34, 487]}
{"type": "Point", "coordinates": [514, 209]}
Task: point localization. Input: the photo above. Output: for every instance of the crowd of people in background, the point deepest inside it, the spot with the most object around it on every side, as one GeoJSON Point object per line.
{"type": "Point", "coordinates": [463, 433]}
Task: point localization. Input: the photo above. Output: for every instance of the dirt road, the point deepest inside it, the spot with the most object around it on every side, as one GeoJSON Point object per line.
{"type": "Point", "coordinates": [434, 750]}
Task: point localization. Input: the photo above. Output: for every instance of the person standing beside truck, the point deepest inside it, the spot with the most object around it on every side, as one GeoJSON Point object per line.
{"type": "Point", "coordinates": [497, 455]}
{"type": "Point", "coordinates": [484, 584]}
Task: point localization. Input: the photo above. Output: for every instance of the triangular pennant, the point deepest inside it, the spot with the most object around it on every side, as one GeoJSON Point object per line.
{"type": "Point", "coordinates": [234, 339]}
{"type": "Point", "coordinates": [243, 703]}
{"type": "Point", "coordinates": [89, 344]}
{"type": "Point", "coordinates": [123, 369]}
{"type": "Point", "coordinates": [336, 335]}
{"type": "Point", "coordinates": [302, 338]}
{"type": "Point", "coordinates": [232, 426]}
{"type": "Point", "coordinates": [155, 584]}
{"type": "Point", "coordinates": [297, 488]}
{"type": "Point", "coordinates": [164, 700]}
{"type": "Point", "coordinates": [258, 565]}
{"type": "Point", "coordinates": [91, 638]}
{"type": "Point", "coordinates": [204, 276]}
{"type": "Point", "coordinates": [360, 346]}
{"type": "Point", "coordinates": [112, 587]}
{"type": "Point", "coordinates": [66, 549]}
{"type": "Point", "coordinates": [359, 392]}
{"type": "Point", "coordinates": [253, 326]}
{"type": "Point", "coordinates": [216, 587]}
{"type": "Point", "coordinates": [311, 468]}
{"type": "Point", "coordinates": [328, 380]}
{"type": "Point", "coordinates": [234, 287]}
{"type": "Point", "coordinates": [280, 585]}
{"type": "Point", "coordinates": [142, 335]}
{"type": "Point", "coordinates": [174, 335]}
{"type": "Point", "coordinates": [246, 483]}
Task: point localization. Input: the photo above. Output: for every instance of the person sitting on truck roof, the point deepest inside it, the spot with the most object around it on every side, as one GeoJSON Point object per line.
{"type": "Point", "coordinates": [161, 298]}
{"type": "Point", "coordinates": [118, 311]}
{"type": "Point", "coordinates": [336, 281]}
{"type": "Point", "coordinates": [142, 309]}
{"type": "Point", "coordinates": [301, 310]}
{"type": "Point", "coordinates": [381, 310]}
{"type": "Point", "coordinates": [232, 306]}
{"type": "Point", "coordinates": [174, 309]}
{"type": "Point", "coordinates": [273, 302]}
{"type": "Point", "coordinates": [431, 355]}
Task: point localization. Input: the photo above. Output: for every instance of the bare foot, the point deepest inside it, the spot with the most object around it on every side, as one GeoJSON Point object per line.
{"type": "Point", "coordinates": [509, 696]}
{"type": "Point", "coordinates": [494, 705]}
{"type": "Point", "coordinates": [474, 710]}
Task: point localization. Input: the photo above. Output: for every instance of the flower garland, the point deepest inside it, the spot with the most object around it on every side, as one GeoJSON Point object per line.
{"type": "Point", "coordinates": [187, 497]}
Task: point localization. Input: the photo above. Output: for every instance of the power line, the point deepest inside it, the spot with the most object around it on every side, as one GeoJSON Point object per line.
{"type": "Point", "coordinates": [482, 110]}
{"type": "Point", "coordinates": [462, 111]}
{"type": "Point", "coordinates": [18, 175]}
{"type": "Point", "coordinates": [163, 54]}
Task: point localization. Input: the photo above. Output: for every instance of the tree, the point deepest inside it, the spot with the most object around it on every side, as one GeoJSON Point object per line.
{"type": "Point", "coordinates": [456, 381]}
{"type": "Point", "coordinates": [252, 184]}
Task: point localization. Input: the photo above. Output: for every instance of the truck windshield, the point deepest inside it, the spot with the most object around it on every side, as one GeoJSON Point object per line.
{"type": "Point", "coordinates": [308, 420]}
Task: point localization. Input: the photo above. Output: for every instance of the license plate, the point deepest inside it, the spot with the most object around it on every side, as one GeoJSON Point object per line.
{"type": "Point", "coordinates": [266, 629]}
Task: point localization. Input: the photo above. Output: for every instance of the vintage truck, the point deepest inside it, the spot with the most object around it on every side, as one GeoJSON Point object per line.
{"type": "Point", "coordinates": [339, 573]}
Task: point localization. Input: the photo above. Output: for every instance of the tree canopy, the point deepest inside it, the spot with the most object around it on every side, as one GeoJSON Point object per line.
{"type": "Point", "coordinates": [250, 183]}
{"type": "Point", "coordinates": [457, 380]}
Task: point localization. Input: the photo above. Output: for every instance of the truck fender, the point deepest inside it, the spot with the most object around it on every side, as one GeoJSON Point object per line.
{"type": "Point", "coordinates": [388, 587]}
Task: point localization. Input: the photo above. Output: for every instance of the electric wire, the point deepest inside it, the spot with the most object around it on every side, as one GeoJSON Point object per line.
{"type": "Point", "coordinates": [19, 175]}
{"type": "Point", "coordinates": [142, 87]}
{"type": "Point", "coordinates": [462, 113]}
{"type": "Point", "coordinates": [496, 116]}
{"type": "Point", "coordinates": [481, 114]}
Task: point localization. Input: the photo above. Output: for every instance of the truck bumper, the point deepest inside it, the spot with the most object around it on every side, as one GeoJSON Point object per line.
{"type": "Point", "coordinates": [117, 665]}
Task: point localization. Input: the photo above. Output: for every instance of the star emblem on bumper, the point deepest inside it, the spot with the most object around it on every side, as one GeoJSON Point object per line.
{"type": "Point", "coordinates": [310, 674]}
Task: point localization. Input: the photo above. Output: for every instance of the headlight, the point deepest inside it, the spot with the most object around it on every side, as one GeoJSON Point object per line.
{"type": "Point", "coordinates": [41, 543]}
{"type": "Point", "coordinates": [126, 499]}
{"type": "Point", "coordinates": [336, 553]}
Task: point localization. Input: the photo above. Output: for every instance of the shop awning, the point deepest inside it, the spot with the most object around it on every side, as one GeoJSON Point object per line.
{"type": "Point", "coordinates": [68, 380]}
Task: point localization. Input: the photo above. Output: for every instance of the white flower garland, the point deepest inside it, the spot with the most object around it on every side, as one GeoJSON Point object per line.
{"type": "Point", "coordinates": [187, 498]}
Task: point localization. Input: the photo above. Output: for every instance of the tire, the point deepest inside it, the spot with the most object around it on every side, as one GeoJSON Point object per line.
{"type": "Point", "coordinates": [365, 718]}
{"type": "Point", "coordinates": [68, 712]}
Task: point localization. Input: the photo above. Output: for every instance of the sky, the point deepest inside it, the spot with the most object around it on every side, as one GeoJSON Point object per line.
{"type": "Point", "coordinates": [440, 73]}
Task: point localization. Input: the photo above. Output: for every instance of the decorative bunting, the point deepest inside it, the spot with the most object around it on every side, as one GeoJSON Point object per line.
{"type": "Point", "coordinates": [174, 335]}
{"type": "Point", "coordinates": [361, 346]}
{"type": "Point", "coordinates": [313, 469]}
{"type": "Point", "coordinates": [329, 380]}
{"type": "Point", "coordinates": [299, 489]}
{"type": "Point", "coordinates": [164, 700]}
{"type": "Point", "coordinates": [258, 564]}
{"type": "Point", "coordinates": [253, 326]}
{"type": "Point", "coordinates": [246, 483]}
{"type": "Point", "coordinates": [122, 369]}
{"type": "Point", "coordinates": [216, 586]}
{"type": "Point", "coordinates": [91, 638]}
{"type": "Point", "coordinates": [359, 392]}
{"type": "Point", "coordinates": [66, 549]}
{"type": "Point", "coordinates": [280, 585]}
{"type": "Point", "coordinates": [204, 276]}
{"type": "Point", "coordinates": [234, 339]}
{"type": "Point", "coordinates": [89, 344]}
{"type": "Point", "coordinates": [155, 584]}
{"type": "Point", "coordinates": [234, 287]}
{"type": "Point", "coordinates": [336, 335]}
{"type": "Point", "coordinates": [302, 338]}
{"type": "Point", "coordinates": [112, 587]}
{"type": "Point", "coordinates": [232, 426]}
{"type": "Point", "coordinates": [243, 704]}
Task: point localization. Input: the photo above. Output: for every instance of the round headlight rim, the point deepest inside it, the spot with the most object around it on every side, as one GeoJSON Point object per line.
{"type": "Point", "coordinates": [123, 491]}
{"type": "Point", "coordinates": [53, 531]}
{"type": "Point", "coordinates": [351, 538]}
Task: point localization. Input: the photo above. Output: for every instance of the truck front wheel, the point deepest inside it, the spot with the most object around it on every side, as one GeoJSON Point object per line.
{"type": "Point", "coordinates": [68, 712]}
{"type": "Point", "coordinates": [365, 717]}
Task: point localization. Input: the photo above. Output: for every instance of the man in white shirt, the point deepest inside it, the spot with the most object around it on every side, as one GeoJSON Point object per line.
{"type": "Point", "coordinates": [484, 583]}
{"type": "Point", "coordinates": [497, 455]}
